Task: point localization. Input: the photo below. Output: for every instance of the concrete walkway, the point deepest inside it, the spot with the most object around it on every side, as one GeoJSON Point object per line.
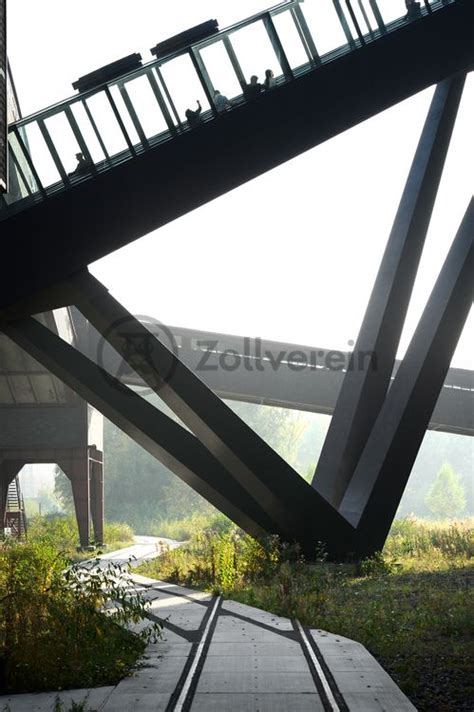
{"type": "Point", "coordinates": [144, 549]}
{"type": "Point", "coordinates": [223, 656]}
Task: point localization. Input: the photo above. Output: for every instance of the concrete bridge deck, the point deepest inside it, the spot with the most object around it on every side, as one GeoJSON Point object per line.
{"type": "Point", "coordinates": [223, 656]}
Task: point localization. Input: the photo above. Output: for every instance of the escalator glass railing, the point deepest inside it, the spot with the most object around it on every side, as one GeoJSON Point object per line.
{"type": "Point", "coordinates": [93, 131]}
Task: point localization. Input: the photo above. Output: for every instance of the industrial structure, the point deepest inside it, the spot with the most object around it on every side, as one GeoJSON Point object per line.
{"type": "Point", "coordinates": [145, 178]}
{"type": "Point", "coordinates": [3, 96]}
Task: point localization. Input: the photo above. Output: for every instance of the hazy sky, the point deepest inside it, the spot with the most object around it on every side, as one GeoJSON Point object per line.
{"type": "Point", "coordinates": [293, 254]}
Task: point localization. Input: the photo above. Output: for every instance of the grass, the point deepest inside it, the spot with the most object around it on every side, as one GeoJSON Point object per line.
{"type": "Point", "coordinates": [62, 533]}
{"type": "Point", "coordinates": [412, 605]}
{"type": "Point", "coordinates": [184, 529]}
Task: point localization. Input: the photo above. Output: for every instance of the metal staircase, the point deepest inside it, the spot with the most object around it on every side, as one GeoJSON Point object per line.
{"type": "Point", "coordinates": [15, 516]}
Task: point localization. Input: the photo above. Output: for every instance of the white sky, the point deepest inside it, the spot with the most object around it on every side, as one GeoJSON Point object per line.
{"type": "Point", "coordinates": [291, 255]}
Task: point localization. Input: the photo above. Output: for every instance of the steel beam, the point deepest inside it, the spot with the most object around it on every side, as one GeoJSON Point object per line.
{"type": "Point", "coordinates": [298, 512]}
{"type": "Point", "coordinates": [305, 34]}
{"type": "Point", "coordinates": [365, 384]}
{"type": "Point", "coordinates": [373, 496]}
{"type": "Point", "coordinates": [277, 46]}
{"type": "Point", "coordinates": [227, 42]}
{"type": "Point", "coordinates": [171, 444]}
{"type": "Point", "coordinates": [355, 22]}
{"type": "Point", "coordinates": [378, 15]}
{"type": "Point", "coordinates": [344, 24]}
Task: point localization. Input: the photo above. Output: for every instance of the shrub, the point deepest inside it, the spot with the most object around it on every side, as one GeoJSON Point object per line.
{"type": "Point", "coordinates": [53, 631]}
{"type": "Point", "coordinates": [184, 529]}
{"type": "Point", "coordinates": [377, 565]}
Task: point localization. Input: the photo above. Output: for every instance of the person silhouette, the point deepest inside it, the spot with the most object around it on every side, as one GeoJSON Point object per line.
{"type": "Point", "coordinates": [413, 9]}
{"type": "Point", "coordinates": [269, 82]}
{"type": "Point", "coordinates": [253, 89]}
{"type": "Point", "coordinates": [84, 165]}
{"type": "Point", "coordinates": [194, 117]}
{"type": "Point", "coordinates": [221, 102]}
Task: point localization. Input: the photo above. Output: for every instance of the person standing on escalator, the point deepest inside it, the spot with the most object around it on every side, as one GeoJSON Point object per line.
{"type": "Point", "coordinates": [413, 9]}
{"type": "Point", "coordinates": [194, 117]}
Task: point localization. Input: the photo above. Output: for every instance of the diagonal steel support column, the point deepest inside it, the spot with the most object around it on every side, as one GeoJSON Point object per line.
{"type": "Point", "coordinates": [297, 511]}
{"type": "Point", "coordinates": [171, 444]}
{"type": "Point", "coordinates": [370, 368]}
{"type": "Point", "coordinates": [373, 496]}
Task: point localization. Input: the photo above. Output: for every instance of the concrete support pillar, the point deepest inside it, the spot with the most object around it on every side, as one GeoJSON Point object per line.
{"type": "Point", "coordinates": [77, 470]}
{"type": "Point", "coordinates": [97, 498]}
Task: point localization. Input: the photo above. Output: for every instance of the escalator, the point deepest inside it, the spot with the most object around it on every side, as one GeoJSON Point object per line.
{"type": "Point", "coordinates": [74, 221]}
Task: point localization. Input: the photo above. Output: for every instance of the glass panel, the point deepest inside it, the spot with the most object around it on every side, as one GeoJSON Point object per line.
{"type": "Point", "coordinates": [360, 17]}
{"type": "Point", "coordinates": [106, 123]}
{"type": "Point", "coordinates": [88, 133]}
{"type": "Point", "coordinates": [220, 69]}
{"type": "Point", "coordinates": [183, 85]}
{"type": "Point", "coordinates": [40, 155]}
{"type": "Point", "coordinates": [16, 187]}
{"type": "Point", "coordinates": [324, 25]}
{"type": "Point", "coordinates": [163, 93]}
{"type": "Point", "coordinates": [255, 52]}
{"type": "Point", "coordinates": [19, 189]}
{"type": "Point", "coordinates": [391, 10]}
{"type": "Point", "coordinates": [125, 116]}
{"type": "Point", "coordinates": [348, 17]}
{"type": "Point", "coordinates": [64, 141]}
{"type": "Point", "coordinates": [290, 39]}
{"type": "Point", "coordinates": [146, 106]}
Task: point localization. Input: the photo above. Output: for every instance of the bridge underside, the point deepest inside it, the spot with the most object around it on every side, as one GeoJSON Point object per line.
{"type": "Point", "coordinates": [225, 460]}
{"type": "Point", "coordinates": [379, 419]}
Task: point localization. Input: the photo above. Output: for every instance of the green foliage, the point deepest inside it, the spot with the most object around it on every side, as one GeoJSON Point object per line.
{"type": "Point", "coordinates": [61, 532]}
{"type": "Point", "coordinates": [183, 529]}
{"type": "Point", "coordinates": [416, 539]}
{"type": "Point", "coordinates": [74, 707]}
{"type": "Point", "coordinates": [410, 605]}
{"type": "Point", "coordinates": [377, 565]}
{"type": "Point", "coordinates": [281, 428]}
{"type": "Point", "coordinates": [144, 493]}
{"type": "Point", "coordinates": [54, 633]}
{"type": "Point", "coordinates": [446, 496]}
{"type": "Point", "coordinates": [63, 491]}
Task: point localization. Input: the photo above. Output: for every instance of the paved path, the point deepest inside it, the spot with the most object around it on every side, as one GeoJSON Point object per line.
{"type": "Point", "coordinates": [223, 656]}
{"type": "Point", "coordinates": [145, 548]}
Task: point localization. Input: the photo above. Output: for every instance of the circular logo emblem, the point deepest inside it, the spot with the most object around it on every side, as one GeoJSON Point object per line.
{"type": "Point", "coordinates": [139, 352]}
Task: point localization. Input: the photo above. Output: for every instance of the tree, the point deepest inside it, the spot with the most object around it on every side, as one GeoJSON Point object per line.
{"type": "Point", "coordinates": [140, 490]}
{"type": "Point", "coordinates": [63, 491]}
{"type": "Point", "coordinates": [446, 496]}
{"type": "Point", "coordinates": [281, 428]}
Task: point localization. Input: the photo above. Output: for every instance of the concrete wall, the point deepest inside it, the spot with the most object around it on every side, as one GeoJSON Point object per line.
{"type": "Point", "coordinates": [43, 427]}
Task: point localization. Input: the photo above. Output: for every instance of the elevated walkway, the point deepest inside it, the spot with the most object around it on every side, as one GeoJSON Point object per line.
{"type": "Point", "coordinates": [276, 373]}
{"type": "Point", "coordinates": [155, 178]}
